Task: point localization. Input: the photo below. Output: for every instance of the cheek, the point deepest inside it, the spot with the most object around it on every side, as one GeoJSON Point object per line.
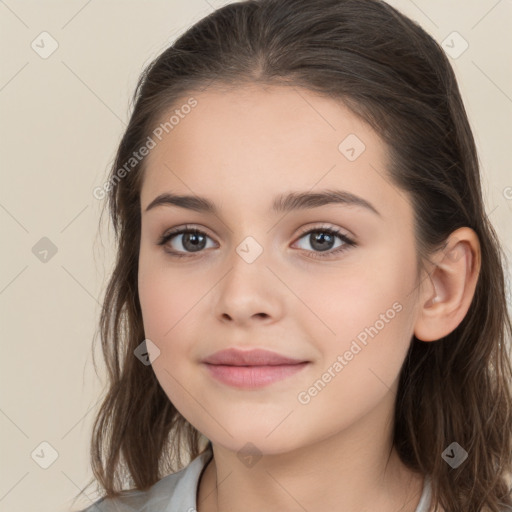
{"type": "Point", "coordinates": [167, 299]}
{"type": "Point", "coordinates": [171, 300]}
{"type": "Point", "coordinates": [157, 288]}
{"type": "Point", "coordinates": [367, 317]}
{"type": "Point", "coordinates": [167, 296]}
{"type": "Point", "coordinates": [362, 360]}
{"type": "Point", "coordinates": [345, 304]}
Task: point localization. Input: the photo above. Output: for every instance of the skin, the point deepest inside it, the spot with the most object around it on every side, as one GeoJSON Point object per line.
{"type": "Point", "coordinates": [240, 149]}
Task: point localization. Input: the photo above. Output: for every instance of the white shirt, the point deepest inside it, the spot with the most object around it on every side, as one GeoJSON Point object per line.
{"type": "Point", "coordinates": [177, 493]}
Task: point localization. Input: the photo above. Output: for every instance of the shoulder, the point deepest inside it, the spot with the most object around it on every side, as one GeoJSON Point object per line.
{"type": "Point", "coordinates": [174, 492]}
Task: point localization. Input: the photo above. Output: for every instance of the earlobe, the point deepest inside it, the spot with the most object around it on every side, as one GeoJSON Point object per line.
{"type": "Point", "coordinates": [446, 296]}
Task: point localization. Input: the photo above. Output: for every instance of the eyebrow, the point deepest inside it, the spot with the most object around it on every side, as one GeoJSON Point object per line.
{"type": "Point", "coordinates": [282, 203]}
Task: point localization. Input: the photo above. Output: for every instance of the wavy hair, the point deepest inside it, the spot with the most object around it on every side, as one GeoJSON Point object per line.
{"type": "Point", "coordinates": [396, 78]}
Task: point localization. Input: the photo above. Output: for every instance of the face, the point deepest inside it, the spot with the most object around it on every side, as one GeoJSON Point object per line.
{"type": "Point", "coordinates": [329, 283]}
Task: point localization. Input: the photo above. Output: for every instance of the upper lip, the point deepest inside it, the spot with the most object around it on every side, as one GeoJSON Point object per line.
{"type": "Point", "coordinates": [255, 357]}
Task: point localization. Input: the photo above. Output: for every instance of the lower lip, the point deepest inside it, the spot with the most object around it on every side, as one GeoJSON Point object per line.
{"type": "Point", "coordinates": [250, 377]}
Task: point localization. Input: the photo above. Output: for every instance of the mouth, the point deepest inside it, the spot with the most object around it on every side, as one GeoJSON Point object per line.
{"type": "Point", "coordinates": [253, 376]}
{"type": "Point", "coordinates": [255, 357]}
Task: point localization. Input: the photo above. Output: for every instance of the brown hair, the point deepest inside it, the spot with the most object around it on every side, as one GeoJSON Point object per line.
{"type": "Point", "coordinates": [393, 75]}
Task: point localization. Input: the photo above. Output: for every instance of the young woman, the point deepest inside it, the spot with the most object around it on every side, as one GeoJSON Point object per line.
{"type": "Point", "coordinates": [308, 300]}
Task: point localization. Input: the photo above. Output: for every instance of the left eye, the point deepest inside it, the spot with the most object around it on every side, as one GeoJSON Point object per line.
{"type": "Point", "coordinates": [321, 241]}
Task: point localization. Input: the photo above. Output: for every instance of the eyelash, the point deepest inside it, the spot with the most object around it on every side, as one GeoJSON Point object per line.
{"type": "Point", "coordinates": [347, 242]}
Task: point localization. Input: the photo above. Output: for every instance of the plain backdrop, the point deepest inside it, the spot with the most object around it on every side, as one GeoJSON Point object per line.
{"type": "Point", "coordinates": [62, 116]}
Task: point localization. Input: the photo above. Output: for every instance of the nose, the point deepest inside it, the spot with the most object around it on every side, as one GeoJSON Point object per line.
{"type": "Point", "coordinates": [248, 293]}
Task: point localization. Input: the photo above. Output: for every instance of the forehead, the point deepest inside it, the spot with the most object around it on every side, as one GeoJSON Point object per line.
{"type": "Point", "coordinates": [255, 142]}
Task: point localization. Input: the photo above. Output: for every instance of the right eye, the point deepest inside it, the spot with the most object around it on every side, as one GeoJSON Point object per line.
{"type": "Point", "coordinates": [188, 241]}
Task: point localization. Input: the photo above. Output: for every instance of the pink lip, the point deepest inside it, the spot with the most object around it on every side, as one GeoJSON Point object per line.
{"type": "Point", "coordinates": [251, 369]}
{"type": "Point", "coordinates": [255, 357]}
{"type": "Point", "coordinates": [253, 376]}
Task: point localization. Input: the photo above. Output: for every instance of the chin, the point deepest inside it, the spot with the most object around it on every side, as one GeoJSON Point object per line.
{"type": "Point", "coordinates": [253, 442]}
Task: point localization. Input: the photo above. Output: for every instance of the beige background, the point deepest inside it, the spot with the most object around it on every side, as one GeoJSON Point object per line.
{"type": "Point", "coordinates": [62, 117]}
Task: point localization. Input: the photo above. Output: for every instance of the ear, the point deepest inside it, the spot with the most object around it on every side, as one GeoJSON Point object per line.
{"type": "Point", "coordinates": [449, 287]}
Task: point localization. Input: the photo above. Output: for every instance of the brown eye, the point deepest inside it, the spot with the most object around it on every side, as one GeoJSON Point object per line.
{"type": "Point", "coordinates": [323, 240]}
{"type": "Point", "coordinates": [183, 241]}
